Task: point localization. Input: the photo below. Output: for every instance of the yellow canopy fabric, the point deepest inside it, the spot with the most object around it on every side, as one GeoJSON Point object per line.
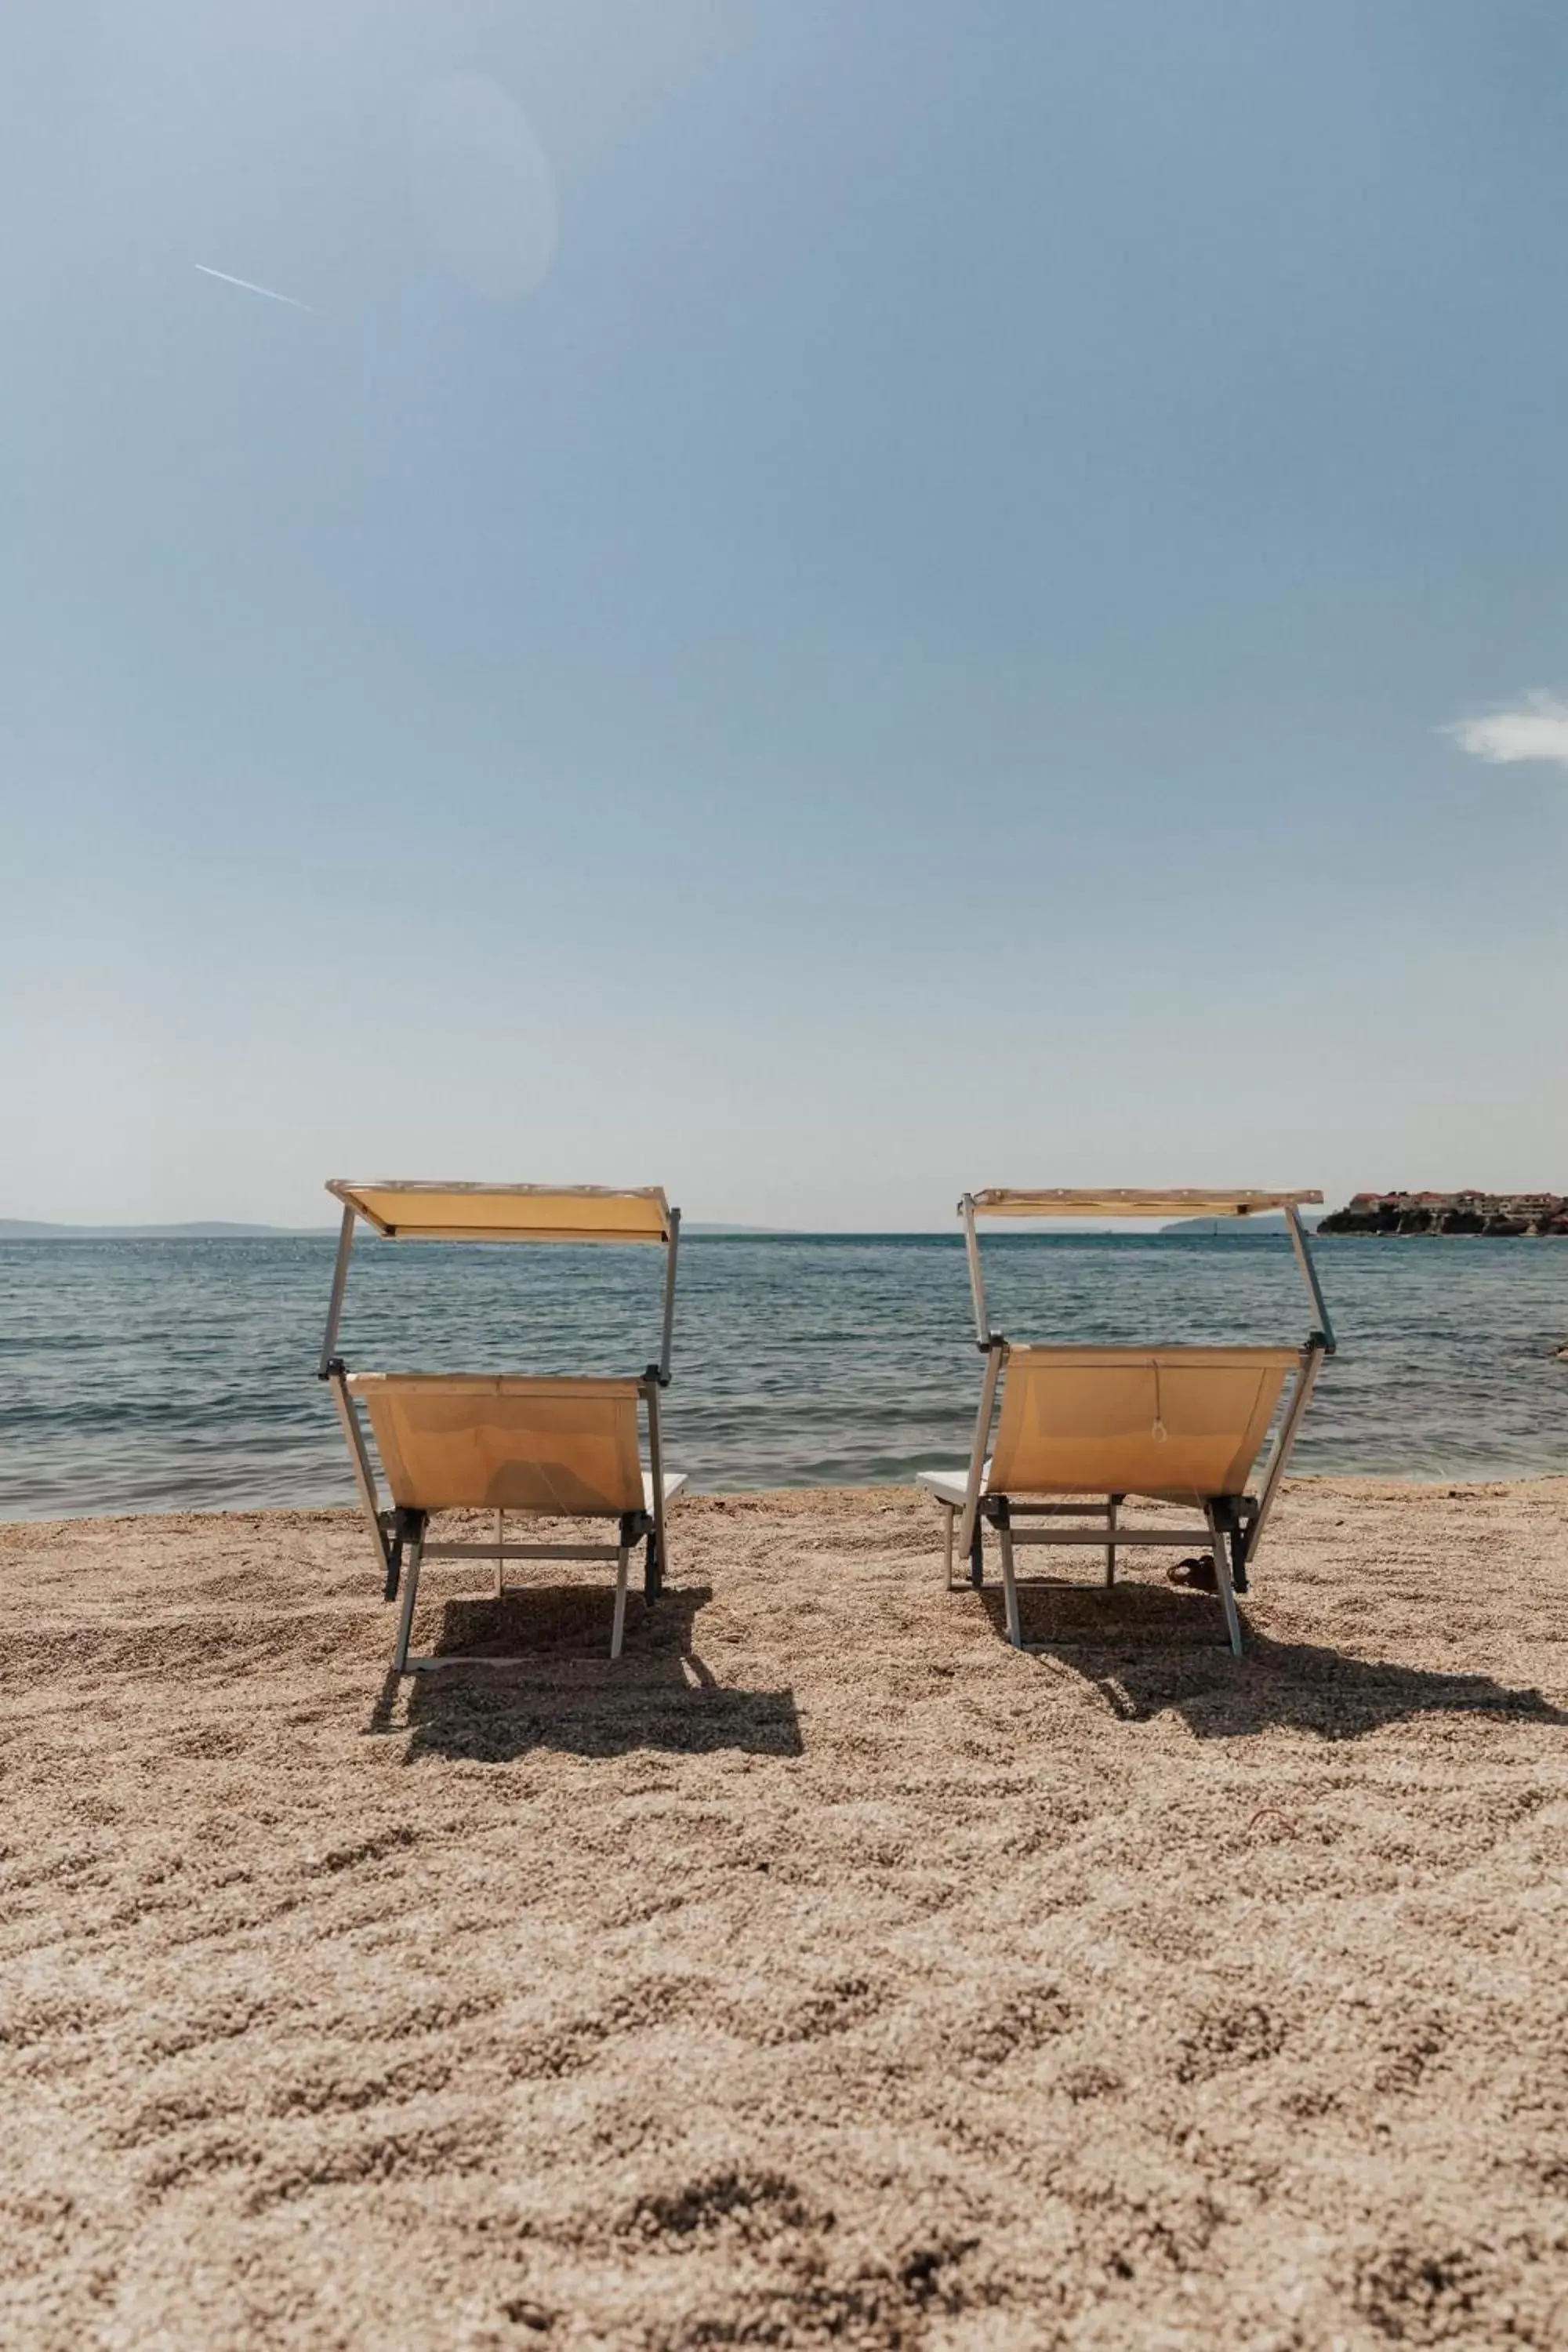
{"type": "Point", "coordinates": [508, 1213]}
{"type": "Point", "coordinates": [999, 1201]}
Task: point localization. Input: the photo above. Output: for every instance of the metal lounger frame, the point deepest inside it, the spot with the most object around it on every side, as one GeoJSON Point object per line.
{"type": "Point", "coordinates": [399, 1536]}
{"type": "Point", "coordinates": [1234, 1524]}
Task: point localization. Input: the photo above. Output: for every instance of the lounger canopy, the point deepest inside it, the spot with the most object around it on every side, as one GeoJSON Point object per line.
{"type": "Point", "coordinates": [1173, 1423]}
{"type": "Point", "coordinates": [405, 1208]}
{"type": "Point", "coordinates": [1168, 1201]}
{"type": "Point", "coordinates": [997, 1201]}
{"type": "Point", "coordinates": [508, 1213]}
{"type": "Point", "coordinates": [561, 1448]}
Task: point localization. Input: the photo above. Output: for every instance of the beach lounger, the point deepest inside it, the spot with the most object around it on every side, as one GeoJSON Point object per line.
{"type": "Point", "coordinates": [539, 1448]}
{"type": "Point", "coordinates": [1183, 1426]}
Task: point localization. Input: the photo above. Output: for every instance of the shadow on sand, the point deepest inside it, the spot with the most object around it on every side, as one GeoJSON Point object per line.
{"type": "Point", "coordinates": [1148, 1648]}
{"type": "Point", "coordinates": [559, 1689]}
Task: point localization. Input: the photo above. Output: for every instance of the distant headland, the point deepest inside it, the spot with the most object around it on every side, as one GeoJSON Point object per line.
{"type": "Point", "coordinates": [1507, 1213]}
{"type": "Point", "coordinates": [28, 1229]}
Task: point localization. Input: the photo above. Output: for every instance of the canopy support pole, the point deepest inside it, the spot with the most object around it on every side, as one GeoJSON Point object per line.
{"type": "Point", "coordinates": [340, 1281]}
{"type": "Point", "coordinates": [668, 1337]}
{"type": "Point", "coordinates": [976, 1279]}
{"type": "Point", "coordinates": [1312, 1356]}
{"type": "Point", "coordinates": [969, 1531]}
{"type": "Point", "coordinates": [364, 1476]}
{"type": "Point", "coordinates": [1298, 1243]}
{"type": "Point", "coordinates": [653, 1567]}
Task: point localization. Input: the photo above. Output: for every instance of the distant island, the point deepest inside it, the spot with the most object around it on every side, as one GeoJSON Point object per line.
{"type": "Point", "coordinates": [1505, 1213]}
{"type": "Point", "coordinates": [1232, 1228]}
{"type": "Point", "coordinates": [710, 1232]}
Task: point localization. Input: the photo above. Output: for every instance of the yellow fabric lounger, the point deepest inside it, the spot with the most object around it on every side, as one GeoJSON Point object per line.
{"type": "Point", "coordinates": [1173, 1424]}
{"type": "Point", "coordinates": [546, 1448]}
{"type": "Point", "coordinates": [541, 1448]}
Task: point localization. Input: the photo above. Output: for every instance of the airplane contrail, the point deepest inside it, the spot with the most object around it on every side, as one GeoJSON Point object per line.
{"type": "Point", "coordinates": [249, 287]}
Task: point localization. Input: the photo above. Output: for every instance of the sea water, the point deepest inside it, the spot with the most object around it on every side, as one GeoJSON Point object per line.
{"type": "Point", "coordinates": [167, 1375]}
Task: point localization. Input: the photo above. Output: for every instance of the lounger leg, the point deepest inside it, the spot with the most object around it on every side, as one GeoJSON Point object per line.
{"type": "Point", "coordinates": [977, 1558]}
{"type": "Point", "coordinates": [1222, 1578]}
{"type": "Point", "coordinates": [1009, 1581]}
{"type": "Point", "coordinates": [1111, 1504]}
{"type": "Point", "coordinates": [501, 1563]}
{"type": "Point", "coordinates": [652, 1568]}
{"type": "Point", "coordinates": [617, 1631]}
{"type": "Point", "coordinates": [410, 1594]}
{"type": "Point", "coordinates": [949, 1515]}
{"type": "Point", "coordinates": [1240, 1545]}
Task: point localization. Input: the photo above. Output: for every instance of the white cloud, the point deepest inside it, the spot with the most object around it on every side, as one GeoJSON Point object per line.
{"type": "Point", "coordinates": [1536, 729]}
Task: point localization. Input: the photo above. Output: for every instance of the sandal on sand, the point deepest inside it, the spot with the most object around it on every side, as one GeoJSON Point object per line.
{"type": "Point", "coordinates": [1197, 1574]}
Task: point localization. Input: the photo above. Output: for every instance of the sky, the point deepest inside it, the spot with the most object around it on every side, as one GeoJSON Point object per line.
{"type": "Point", "coordinates": [818, 604]}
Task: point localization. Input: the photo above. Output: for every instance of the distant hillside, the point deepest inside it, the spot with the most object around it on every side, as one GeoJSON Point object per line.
{"type": "Point", "coordinates": [723, 1233]}
{"type": "Point", "coordinates": [1229, 1228]}
{"type": "Point", "coordinates": [25, 1229]}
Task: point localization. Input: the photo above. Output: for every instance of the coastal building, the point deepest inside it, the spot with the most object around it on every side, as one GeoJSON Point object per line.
{"type": "Point", "coordinates": [1508, 1214]}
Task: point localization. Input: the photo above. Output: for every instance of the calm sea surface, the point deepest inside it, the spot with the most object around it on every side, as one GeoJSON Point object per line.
{"type": "Point", "coordinates": [147, 1375]}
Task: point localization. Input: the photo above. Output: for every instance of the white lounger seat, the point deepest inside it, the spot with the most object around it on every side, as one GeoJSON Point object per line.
{"type": "Point", "coordinates": [950, 1486]}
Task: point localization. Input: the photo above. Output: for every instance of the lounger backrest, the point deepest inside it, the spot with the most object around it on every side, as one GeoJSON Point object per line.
{"type": "Point", "coordinates": [452, 1441]}
{"type": "Point", "coordinates": [1186, 1421]}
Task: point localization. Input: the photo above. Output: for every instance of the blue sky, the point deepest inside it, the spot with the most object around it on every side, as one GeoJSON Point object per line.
{"type": "Point", "coordinates": [826, 603]}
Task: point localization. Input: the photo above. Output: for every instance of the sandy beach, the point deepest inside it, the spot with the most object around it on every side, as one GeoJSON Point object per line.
{"type": "Point", "coordinates": [823, 1970]}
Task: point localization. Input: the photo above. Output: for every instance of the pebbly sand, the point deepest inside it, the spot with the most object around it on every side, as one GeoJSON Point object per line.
{"type": "Point", "coordinates": [824, 1971]}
